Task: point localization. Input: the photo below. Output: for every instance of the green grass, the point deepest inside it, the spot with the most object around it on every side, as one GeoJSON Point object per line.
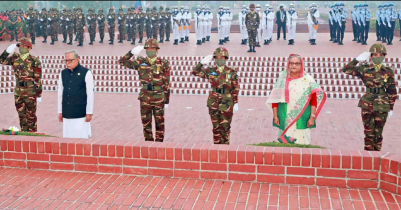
{"type": "Point", "coordinates": [277, 144]}
{"type": "Point", "coordinates": [24, 134]}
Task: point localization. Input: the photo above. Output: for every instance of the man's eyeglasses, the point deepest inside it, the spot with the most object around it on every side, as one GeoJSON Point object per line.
{"type": "Point", "coordinates": [69, 60]}
{"type": "Point", "coordinates": [296, 64]}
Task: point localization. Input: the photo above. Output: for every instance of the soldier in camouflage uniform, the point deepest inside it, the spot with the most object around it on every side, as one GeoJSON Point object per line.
{"type": "Point", "coordinates": [70, 19]}
{"type": "Point", "coordinates": [111, 24]}
{"type": "Point", "coordinates": [75, 23]}
{"type": "Point", "coordinates": [141, 23]}
{"type": "Point", "coordinates": [44, 24]}
{"type": "Point", "coordinates": [148, 23]}
{"type": "Point", "coordinates": [252, 21]}
{"type": "Point", "coordinates": [381, 92]}
{"type": "Point", "coordinates": [155, 17]}
{"type": "Point", "coordinates": [28, 89]}
{"type": "Point", "coordinates": [80, 23]}
{"type": "Point", "coordinates": [13, 19]}
{"type": "Point", "coordinates": [91, 19]}
{"type": "Point", "coordinates": [154, 74]}
{"type": "Point", "coordinates": [168, 23]}
{"type": "Point", "coordinates": [128, 24]}
{"type": "Point", "coordinates": [32, 17]}
{"type": "Point", "coordinates": [121, 24]}
{"type": "Point", "coordinates": [63, 19]}
{"type": "Point", "coordinates": [53, 25]}
{"type": "Point", "coordinates": [162, 23]}
{"type": "Point", "coordinates": [133, 23]}
{"type": "Point", "coordinates": [223, 100]}
{"type": "Point", "coordinates": [101, 23]}
{"type": "Point", "coordinates": [58, 24]}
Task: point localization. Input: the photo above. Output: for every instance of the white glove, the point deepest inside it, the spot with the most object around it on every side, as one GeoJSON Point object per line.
{"type": "Point", "coordinates": [166, 16]}
{"type": "Point", "coordinates": [384, 24]}
{"type": "Point", "coordinates": [61, 18]}
{"type": "Point", "coordinates": [49, 19]}
{"type": "Point", "coordinates": [28, 18]}
{"type": "Point", "coordinates": [119, 18]}
{"type": "Point", "coordinates": [137, 50]}
{"type": "Point", "coordinates": [146, 17]}
{"type": "Point", "coordinates": [390, 114]}
{"type": "Point", "coordinates": [165, 106]}
{"type": "Point", "coordinates": [99, 18]}
{"type": "Point", "coordinates": [363, 57]}
{"type": "Point", "coordinates": [11, 48]}
{"type": "Point", "coordinates": [41, 19]}
{"type": "Point", "coordinates": [89, 18]}
{"type": "Point", "coordinates": [66, 27]}
{"type": "Point", "coordinates": [40, 26]}
{"type": "Point", "coordinates": [108, 26]}
{"type": "Point", "coordinates": [48, 26]}
{"type": "Point", "coordinates": [207, 59]}
{"type": "Point", "coordinates": [389, 25]}
{"type": "Point", "coordinates": [68, 19]}
{"type": "Point", "coordinates": [151, 26]}
{"type": "Point", "coordinates": [153, 18]}
{"type": "Point", "coordinates": [160, 16]}
{"type": "Point", "coordinates": [130, 25]}
{"type": "Point", "coordinates": [132, 18]}
{"type": "Point", "coordinates": [84, 27]}
{"type": "Point", "coordinates": [340, 25]}
{"type": "Point", "coordinates": [38, 100]}
{"type": "Point", "coordinates": [235, 108]}
{"type": "Point", "coordinates": [109, 17]}
{"type": "Point", "coordinates": [126, 24]}
{"type": "Point", "coordinates": [355, 22]}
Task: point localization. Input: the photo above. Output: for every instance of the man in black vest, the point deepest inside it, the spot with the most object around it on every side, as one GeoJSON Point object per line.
{"type": "Point", "coordinates": [281, 20]}
{"type": "Point", "coordinates": [75, 98]}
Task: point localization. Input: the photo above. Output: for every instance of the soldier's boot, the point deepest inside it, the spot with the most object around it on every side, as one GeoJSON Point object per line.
{"type": "Point", "coordinates": [111, 42]}
{"type": "Point", "coordinates": [175, 41]}
{"type": "Point", "coordinates": [203, 40]}
{"type": "Point", "coordinates": [246, 41]}
{"type": "Point", "coordinates": [221, 42]}
{"type": "Point", "coordinates": [65, 41]}
{"type": "Point", "coordinates": [257, 44]}
{"type": "Point", "coordinates": [133, 42]}
{"type": "Point", "coordinates": [101, 41]}
{"type": "Point", "coordinates": [121, 41]}
{"type": "Point", "coordinates": [253, 49]}
{"type": "Point", "coordinates": [161, 40]}
{"type": "Point", "coordinates": [242, 41]}
{"type": "Point", "coordinates": [228, 39]}
{"type": "Point", "coordinates": [208, 38]}
{"type": "Point", "coordinates": [389, 43]}
{"type": "Point", "coordinates": [182, 40]}
{"type": "Point", "coordinates": [44, 39]}
{"type": "Point", "coordinates": [250, 49]}
{"type": "Point", "coordinates": [186, 39]}
{"type": "Point", "coordinates": [313, 41]}
{"type": "Point", "coordinates": [16, 38]}
{"type": "Point", "coordinates": [335, 41]}
{"type": "Point", "coordinates": [70, 43]}
{"type": "Point", "coordinates": [80, 44]}
{"type": "Point", "coordinates": [91, 43]}
{"type": "Point", "coordinates": [52, 43]}
{"type": "Point", "coordinates": [129, 39]}
{"type": "Point", "coordinates": [289, 42]}
{"type": "Point", "coordinates": [140, 40]}
{"type": "Point", "coordinates": [198, 42]}
{"type": "Point", "coordinates": [33, 40]}
{"type": "Point", "coordinates": [265, 42]}
{"type": "Point", "coordinates": [167, 39]}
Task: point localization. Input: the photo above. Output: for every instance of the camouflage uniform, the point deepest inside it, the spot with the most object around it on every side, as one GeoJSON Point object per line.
{"type": "Point", "coordinates": [111, 24]}
{"type": "Point", "coordinates": [91, 19]}
{"type": "Point", "coordinates": [64, 29]}
{"type": "Point", "coordinates": [70, 19]}
{"type": "Point", "coordinates": [28, 74]}
{"type": "Point", "coordinates": [379, 98]}
{"type": "Point", "coordinates": [80, 24]}
{"type": "Point", "coordinates": [225, 89]}
{"type": "Point", "coordinates": [155, 93]}
{"type": "Point", "coordinates": [53, 25]}
{"type": "Point", "coordinates": [148, 23]}
{"type": "Point", "coordinates": [168, 23]}
{"type": "Point", "coordinates": [133, 20]}
{"type": "Point", "coordinates": [32, 23]}
{"type": "Point", "coordinates": [121, 23]}
{"type": "Point", "coordinates": [162, 23]}
{"type": "Point", "coordinates": [13, 27]}
{"type": "Point", "coordinates": [44, 24]}
{"type": "Point", "coordinates": [101, 24]}
{"type": "Point", "coordinates": [75, 23]}
{"type": "Point", "coordinates": [155, 17]}
{"type": "Point", "coordinates": [58, 25]}
{"type": "Point", "coordinates": [128, 24]}
{"type": "Point", "coordinates": [141, 24]}
{"type": "Point", "coordinates": [252, 23]}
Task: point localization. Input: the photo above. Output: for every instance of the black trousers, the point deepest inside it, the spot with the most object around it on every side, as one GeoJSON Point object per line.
{"type": "Point", "coordinates": [383, 32]}
{"type": "Point", "coordinates": [366, 31]}
{"type": "Point", "coordinates": [354, 30]}
{"type": "Point", "coordinates": [281, 25]}
{"type": "Point", "coordinates": [340, 31]}
{"type": "Point", "coordinates": [391, 31]}
{"type": "Point", "coordinates": [378, 34]}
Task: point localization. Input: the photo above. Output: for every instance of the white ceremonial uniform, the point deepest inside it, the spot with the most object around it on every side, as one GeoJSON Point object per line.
{"type": "Point", "coordinates": [175, 22]}
{"type": "Point", "coordinates": [221, 20]}
{"type": "Point", "coordinates": [209, 23]}
{"type": "Point", "coordinates": [292, 17]}
{"type": "Point", "coordinates": [242, 25]}
{"type": "Point", "coordinates": [267, 24]}
{"type": "Point", "coordinates": [259, 31]}
{"type": "Point", "coordinates": [199, 24]}
{"type": "Point", "coordinates": [311, 24]}
{"type": "Point", "coordinates": [78, 128]}
{"type": "Point", "coordinates": [183, 23]}
{"type": "Point", "coordinates": [188, 19]}
{"type": "Point", "coordinates": [229, 20]}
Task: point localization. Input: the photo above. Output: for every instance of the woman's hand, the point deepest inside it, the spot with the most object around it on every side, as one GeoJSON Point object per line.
{"type": "Point", "coordinates": [310, 122]}
{"type": "Point", "coordinates": [276, 121]}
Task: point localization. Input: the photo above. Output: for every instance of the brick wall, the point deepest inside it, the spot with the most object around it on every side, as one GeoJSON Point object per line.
{"type": "Point", "coordinates": [321, 167]}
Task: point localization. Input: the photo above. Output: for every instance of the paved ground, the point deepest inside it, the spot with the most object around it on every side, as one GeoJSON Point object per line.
{"type": "Point", "coordinates": [35, 189]}
{"type": "Point", "coordinates": [117, 116]}
{"type": "Point", "coordinates": [324, 48]}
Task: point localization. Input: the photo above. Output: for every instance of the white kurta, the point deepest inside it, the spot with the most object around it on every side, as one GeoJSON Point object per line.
{"type": "Point", "coordinates": [78, 128]}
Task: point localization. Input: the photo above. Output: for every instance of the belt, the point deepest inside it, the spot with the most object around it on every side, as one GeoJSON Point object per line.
{"type": "Point", "coordinates": [24, 84]}
{"type": "Point", "coordinates": [375, 90]}
{"type": "Point", "coordinates": [150, 87]}
{"type": "Point", "coordinates": [221, 90]}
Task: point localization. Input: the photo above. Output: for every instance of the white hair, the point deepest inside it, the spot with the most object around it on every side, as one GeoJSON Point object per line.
{"type": "Point", "coordinates": [72, 51]}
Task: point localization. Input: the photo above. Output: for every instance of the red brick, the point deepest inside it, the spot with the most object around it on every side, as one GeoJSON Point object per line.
{"type": "Point", "coordinates": [135, 162]}
{"type": "Point", "coordinates": [385, 165]}
{"type": "Point", "coordinates": [103, 150]}
{"type": "Point", "coordinates": [361, 184]}
{"type": "Point", "coordinates": [79, 149]}
{"type": "Point", "coordinates": [204, 152]}
{"type": "Point", "coordinates": [14, 156]}
{"type": "Point", "coordinates": [187, 154]}
{"type": "Point", "coordinates": [240, 156]}
{"type": "Point", "coordinates": [296, 156]}
{"type": "Point", "coordinates": [367, 163]}
{"type": "Point", "coordinates": [15, 163]}
{"type": "Point", "coordinates": [259, 155]}
{"type": "Point", "coordinates": [326, 159]}
{"type": "Point", "coordinates": [331, 173]}
{"type": "Point", "coordinates": [250, 155]}
{"type": "Point", "coordinates": [394, 169]}
{"type": "Point", "coordinates": [41, 147]}
{"type": "Point", "coordinates": [213, 175]}
{"type": "Point", "coordinates": [170, 153]}
{"type": "Point", "coordinates": [110, 161]}
{"type": "Point", "coordinates": [3, 145]}
{"type": "Point", "coordinates": [287, 156]}
{"type": "Point", "coordinates": [268, 155]}
{"type": "Point", "coordinates": [86, 160]}
{"type": "Point", "coordinates": [363, 174]}
{"type": "Point", "coordinates": [306, 157]}
{"type": "Point", "coordinates": [278, 156]}
{"type": "Point", "coordinates": [110, 169]}
{"type": "Point", "coordinates": [128, 151]}
{"type": "Point", "coordinates": [356, 161]}
{"type": "Point", "coordinates": [316, 158]}
{"type": "Point", "coordinates": [153, 152]}
{"type": "Point", "coordinates": [242, 168]}
{"type": "Point", "coordinates": [271, 169]}
{"type": "Point", "coordinates": [135, 171]}
{"type": "Point", "coordinates": [241, 177]}
{"type": "Point", "coordinates": [335, 159]}
{"type": "Point", "coordinates": [178, 153]}
{"type": "Point", "coordinates": [86, 167]}
{"type": "Point", "coordinates": [55, 149]}
{"type": "Point", "coordinates": [95, 149]}
{"type": "Point", "coordinates": [120, 151]}
{"type": "Point", "coordinates": [10, 146]}
{"type": "Point", "coordinates": [32, 147]}
{"type": "Point", "coordinates": [271, 179]}
{"type": "Point", "coordinates": [61, 166]}
{"type": "Point", "coordinates": [39, 157]}
{"type": "Point", "coordinates": [331, 182]}
{"type": "Point", "coordinates": [196, 154]}
{"type": "Point", "coordinates": [388, 178]}
{"type": "Point", "coordinates": [214, 166]}
{"type": "Point", "coordinates": [187, 165]}
{"type": "Point", "coordinates": [71, 148]}
{"type": "Point", "coordinates": [186, 173]}
{"type": "Point", "coordinates": [18, 146]}
{"type": "Point", "coordinates": [232, 156]}
{"type": "Point", "coordinates": [300, 180]}
{"type": "Point", "coordinates": [214, 153]}
{"type": "Point", "coordinates": [301, 171]}
{"type": "Point", "coordinates": [388, 187]}
{"type": "Point", "coordinates": [63, 148]}
{"type": "Point", "coordinates": [48, 147]}
{"type": "Point", "coordinates": [161, 164]}
{"type": "Point", "coordinates": [345, 159]}
{"type": "Point", "coordinates": [62, 158]}
{"type": "Point", "coordinates": [160, 172]}
{"type": "Point", "coordinates": [223, 156]}
{"type": "Point", "coordinates": [111, 149]}
{"type": "Point", "coordinates": [39, 165]}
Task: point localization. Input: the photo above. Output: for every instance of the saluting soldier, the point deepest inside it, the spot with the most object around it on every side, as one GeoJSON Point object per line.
{"type": "Point", "coordinates": [381, 93]}
{"type": "Point", "coordinates": [121, 23]}
{"type": "Point", "coordinates": [44, 25]}
{"type": "Point", "coordinates": [223, 100]}
{"type": "Point", "coordinates": [154, 74]}
{"type": "Point", "coordinates": [28, 86]}
{"type": "Point", "coordinates": [111, 24]}
{"type": "Point", "coordinates": [32, 17]}
{"type": "Point", "coordinates": [141, 23]}
{"type": "Point", "coordinates": [101, 23]}
{"type": "Point", "coordinates": [252, 21]}
{"type": "Point", "coordinates": [92, 25]}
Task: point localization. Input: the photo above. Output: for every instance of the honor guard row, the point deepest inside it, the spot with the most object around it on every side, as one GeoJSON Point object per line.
{"type": "Point", "coordinates": [203, 24]}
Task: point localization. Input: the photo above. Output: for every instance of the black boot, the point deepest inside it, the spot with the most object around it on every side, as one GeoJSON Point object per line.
{"type": "Point", "coordinates": [364, 43]}
{"type": "Point", "coordinates": [133, 42]}
{"type": "Point", "coordinates": [228, 39]}
{"type": "Point", "coordinates": [198, 42]}
{"type": "Point", "coordinates": [390, 43]}
{"type": "Point", "coordinates": [257, 44]}
{"type": "Point", "coordinates": [70, 43]}
{"type": "Point", "coordinates": [91, 43]}
{"type": "Point", "coordinates": [246, 41]}
{"type": "Point", "coordinates": [265, 42]}
{"type": "Point", "coordinates": [65, 41]}
{"type": "Point", "coordinates": [129, 39]}
{"type": "Point", "coordinates": [220, 42]}
{"type": "Point", "coordinates": [340, 43]}
{"type": "Point", "coordinates": [167, 39]}
{"type": "Point", "coordinates": [80, 44]}
{"type": "Point", "coordinates": [186, 39]}
{"type": "Point", "coordinates": [161, 40]}
{"type": "Point", "coordinates": [203, 40]}
{"type": "Point", "coordinates": [121, 41]}
{"type": "Point", "coordinates": [225, 39]}
{"type": "Point", "coordinates": [354, 40]}
{"type": "Point", "coordinates": [52, 43]}
{"type": "Point", "coordinates": [335, 41]}
{"type": "Point", "coordinates": [250, 49]}
{"type": "Point", "coordinates": [175, 41]}
{"type": "Point", "coordinates": [140, 40]}
{"type": "Point", "coordinates": [111, 42]}
{"type": "Point", "coordinates": [33, 41]}
{"type": "Point", "coordinates": [253, 49]}
{"type": "Point", "coordinates": [76, 39]}
{"type": "Point", "coordinates": [290, 42]}
{"type": "Point", "coordinates": [101, 41]}
{"type": "Point", "coordinates": [44, 41]}
{"type": "Point", "coordinates": [313, 41]}
{"type": "Point", "coordinates": [208, 38]}
{"type": "Point", "coordinates": [182, 40]}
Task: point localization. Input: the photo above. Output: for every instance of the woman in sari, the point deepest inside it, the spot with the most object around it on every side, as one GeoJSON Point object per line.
{"type": "Point", "coordinates": [296, 101]}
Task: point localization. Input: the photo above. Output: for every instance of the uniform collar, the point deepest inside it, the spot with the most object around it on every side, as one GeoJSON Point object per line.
{"type": "Point", "coordinates": [24, 56]}
{"type": "Point", "coordinates": [152, 60]}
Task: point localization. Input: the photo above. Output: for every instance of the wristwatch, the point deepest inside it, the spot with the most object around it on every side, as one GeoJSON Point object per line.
{"type": "Point", "coordinates": [313, 115]}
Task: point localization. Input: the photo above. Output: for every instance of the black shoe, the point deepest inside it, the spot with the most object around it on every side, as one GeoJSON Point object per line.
{"type": "Point", "coordinates": [384, 41]}
{"type": "Point", "coordinates": [111, 42]}
{"type": "Point", "coordinates": [228, 39]}
{"type": "Point", "coordinates": [129, 39]}
{"type": "Point", "coordinates": [242, 41]}
{"type": "Point", "coordinates": [33, 41]}
{"type": "Point", "coordinates": [278, 38]}
{"type": "Point", "coordinates": [76, 39]}
{"type": "Point", "coordinates": [340, 43]}
{"type": "Point", "coordinates": [101, 41]}
{"type": "Point", "coordinates": [246, 41]}
{"type": "Point", "coordinates": [140, 40]}
{"type": "Point", "coordinates": [265, 42]}
{"type": "Point", "coordinates": [186, 39]}
{"type": "Point", "coordinates": [52, 43]}
{"type": "Point", "coordinates": [253, 49]}
{"type": "Point", "coordinates": [91, 43]}
{"type": "Point", "coordinates": [70, 43]}
{"type": "Point", "coordinates": [208, 38]}
{"type": "Point", "coordinates": [335, 41]}
{"type": "Point", "coordinates": [257, 44]}
{"type": "Point", "coordinates": [182, 40]}
{"type": "Point", "coordinates": [291, 42]}
{"type": "Point", "coordinates": [198, 42]}
{"type": "Point", "coordinates": [203, 40]}
{"type": "Point", "coordinates": [121, 41]}
{"type": "Point", "coordinates": [354, 40]}
{"type": "Point", "coordinates": [56, 39]}
{"type": "Point", "coordinates": [133, 42]}
{"type": "Point", "coordinates": [284, 38]}
{"type": "Point", "coordinates": [313, 41]}
{"type": "Point", "coordinates": [64, 41]}
{"type": "Point", "coordinates": [389, 43]}
{"type": "Point", "coordinates": [331, 39]}
{"type": "Point", "coordinates": [161, 40]}
{"type": "Point", "coordinates": [168, 39]}
{"type": "Point", "coordinates": [378, 39]}
{"type": "Point", "coordinates": [220, 42]}
{"type": "Point", "coordinates": [250, 49]}
{"type": "Point", "coordinates": [175, 41]}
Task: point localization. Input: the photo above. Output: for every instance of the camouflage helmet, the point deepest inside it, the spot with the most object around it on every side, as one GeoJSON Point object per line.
{"type": "Point", "coordinates": [151, 43]}
{"type": "Point", "coordinates": [221, 51]}
{"type": "Point", "coordinates": [25, 41]}
{"type": "Point", "coordinates": [378, 48]}
{"type": "Point", "coordinates": [167, 9]}
{"type": "Point", "coordinates": [161, 8]}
